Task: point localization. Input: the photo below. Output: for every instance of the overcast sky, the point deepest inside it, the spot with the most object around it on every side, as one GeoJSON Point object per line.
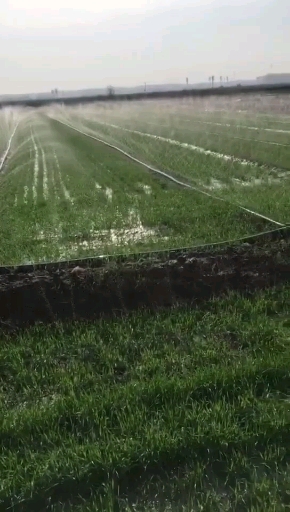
{"type": "Point", "coordinates": [132, 41]}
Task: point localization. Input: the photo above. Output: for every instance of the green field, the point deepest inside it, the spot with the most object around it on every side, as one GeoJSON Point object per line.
{"type": "Point", "coordinates": [238, 159]}
{"type": "Point", "coordinates": [169, 410]}
{"type": "Point", "coordinates": [64, 195]}
{"type": "Point", "coordinates": [186, 410]}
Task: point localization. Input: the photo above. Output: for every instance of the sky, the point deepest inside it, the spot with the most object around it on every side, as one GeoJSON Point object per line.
{"type": "Point", "coordinates": [73, 45]}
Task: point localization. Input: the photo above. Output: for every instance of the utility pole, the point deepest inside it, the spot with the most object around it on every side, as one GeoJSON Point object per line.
{"type": "Point", "coordinates": [145, 86]}
{"type": "Point", "coordinates": [110, 90]}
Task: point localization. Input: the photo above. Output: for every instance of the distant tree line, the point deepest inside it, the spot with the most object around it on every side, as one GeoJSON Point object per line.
{"type": "Point", "coordinates": [227, 91]}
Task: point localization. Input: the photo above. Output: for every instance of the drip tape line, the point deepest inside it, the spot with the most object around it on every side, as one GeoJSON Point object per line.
{"type": "Point", "coordinates": [101, 260]}
{"type": "Point", "coordinates": [227, 135]}
{"type": "Point", "coordinates": [168, 176]}
{"type": "Point", "coordinates": [249, 162]}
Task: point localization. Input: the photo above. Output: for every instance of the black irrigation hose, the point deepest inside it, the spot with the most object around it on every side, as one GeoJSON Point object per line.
{"type": "Point", "coordinates": [168, 176]}
{"type": "Point", "coordinates": [283, 231]}
{"type": "Point", "coordinates": [100, 261]}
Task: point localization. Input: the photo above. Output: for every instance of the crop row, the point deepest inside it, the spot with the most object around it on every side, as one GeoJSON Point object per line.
{"type": "Point", "coordinates": [247, 165]}
{"type": "Point", "coordinates": [64, 195]}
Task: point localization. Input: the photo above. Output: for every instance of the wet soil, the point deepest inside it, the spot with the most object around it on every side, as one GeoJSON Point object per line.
{"type": "Point", "coordinates": [84, 292]}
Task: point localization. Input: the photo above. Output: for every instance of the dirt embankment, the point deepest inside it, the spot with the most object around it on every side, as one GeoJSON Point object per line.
{"type": "Point", "coordinates": [87, 293]}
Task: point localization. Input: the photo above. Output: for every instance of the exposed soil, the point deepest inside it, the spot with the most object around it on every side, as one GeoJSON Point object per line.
{"type": "Point", "coordinates": [85, 292]}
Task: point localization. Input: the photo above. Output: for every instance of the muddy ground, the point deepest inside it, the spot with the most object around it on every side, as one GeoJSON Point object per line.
{"type": "Point", "coordinates": [65, 293]}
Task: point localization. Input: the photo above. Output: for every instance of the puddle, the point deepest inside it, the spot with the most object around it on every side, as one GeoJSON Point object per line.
{"type": "Point", "coordinates": [260, 181]}
{"type": "Point", "coordinates": [269, 180]}
{"type": "Point", "coordinates": [109, 194]}
{"type": "Point", "coordinates": [147, 189]}
{"type": "Point", "coordinates": [214, 185]}
{"type": "Point", "coordinates": [25, 194]}
{"type": "Point", "coordinates": [132, 232]}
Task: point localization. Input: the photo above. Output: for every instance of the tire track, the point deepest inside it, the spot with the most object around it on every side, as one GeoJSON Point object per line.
{"type": "Point", "coordinates": [45, 177]}
{"type": "Point", "coordinates": [35, 169]}
{"type": "Point", "coordinates": [64, 189]}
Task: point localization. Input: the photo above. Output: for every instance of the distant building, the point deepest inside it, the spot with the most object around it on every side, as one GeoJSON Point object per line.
{"type": "Point", "coordinates": [274, 78]}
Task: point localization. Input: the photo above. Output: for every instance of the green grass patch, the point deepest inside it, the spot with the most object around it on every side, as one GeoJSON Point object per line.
{"type": "Point", "coordinates": [263, 188]}
{"type": "Point", "coordinates": [184, 410]}
{"type": "Point", "coordinates": [65, 196]}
